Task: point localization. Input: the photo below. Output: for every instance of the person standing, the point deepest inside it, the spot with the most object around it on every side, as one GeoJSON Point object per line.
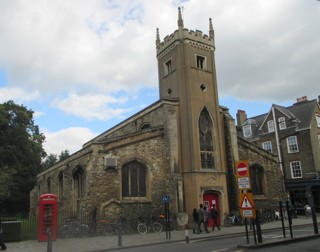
{"type": "Point", "coordinates": [195, 221]}
{"type": "Point", "coordinates": [214, 215]}
{"type": "Point", "coordinates": [202, 219]}
{"type": "Point", "coordinates": [2, 245]}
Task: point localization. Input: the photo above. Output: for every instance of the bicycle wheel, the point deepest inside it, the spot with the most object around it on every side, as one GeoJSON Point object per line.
{"type": "Point", "coordinates": [239, 221]}
{"type": "Point", "coordinates": [83, 230]}
{"type": "Point", "coordinates": [65, 231]}
{"type": "Point", "coordinates": [109, 230]}
{"type": "Point", "coordinates": [142, 228]}
{"type": "Point", "coordinates": [156, 227]}
{"type": "Point", "coordinates": [228, 222]}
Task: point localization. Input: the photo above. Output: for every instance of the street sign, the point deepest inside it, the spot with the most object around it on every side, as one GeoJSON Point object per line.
{"type": "Point", "coordinates": [165, 198]}
{"type": "Point", "coordinates": [242, 168]}
{"type": "Point", "coordinates": [250, 214]}
{"type": "Point", "coordinates": [246, 201]}
{"type": "Point", "coordinates": [244, 183]}
{"type": "Point", "coordinates": [247, 209]}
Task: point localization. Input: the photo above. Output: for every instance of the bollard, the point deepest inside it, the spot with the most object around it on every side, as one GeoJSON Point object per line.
{"type": "Point", "coordinates": [186, 230]}
{"type": "Point", "coordinates": [49, 245]}
{"type": "Point", "coordinates": [119, 234]}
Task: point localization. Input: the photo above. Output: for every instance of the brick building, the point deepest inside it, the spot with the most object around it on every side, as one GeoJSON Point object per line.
{"type": "Point", "coordinates": [184, 145]}
{"type": "Point", "coordinates": [293, 133]}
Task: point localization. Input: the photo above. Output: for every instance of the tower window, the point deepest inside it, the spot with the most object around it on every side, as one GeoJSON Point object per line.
{"type": "Point", "coordinates": [201, 62]}
{"type": "Point", "coordinates": [168, 67]}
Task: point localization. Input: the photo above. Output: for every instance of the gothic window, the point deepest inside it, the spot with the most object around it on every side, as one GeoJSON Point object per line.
{"type": "Point", "coordinates": [78, 182]}
{"type": "Point", "coordinates": [134, 180]}
{"type": "Point", "coordinates": [168, 67]}
{"type": "Point", "coordinates": [257, 181]}
{"type": "Point", "coordinates": [201, 62]}
{"type": "Point", "coordinates": [206, 140]}
{"type": "Point", "coordinates": [49, 185]}
{"type": "Point", "coordinates": [60, 185]}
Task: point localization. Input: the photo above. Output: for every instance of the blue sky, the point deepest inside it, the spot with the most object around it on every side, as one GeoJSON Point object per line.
{"type": "Point", "coordinates": [84, 66]}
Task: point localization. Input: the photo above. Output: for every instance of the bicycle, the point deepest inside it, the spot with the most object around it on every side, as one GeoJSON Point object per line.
{"type": "Point", "coordinates": [108, 228]}
{"type": "Point", "coordinates": [74, 228]}
{"type": "Point", "coordinates": [143, 227]}
{"type": "Point", "coordinates": [233, 220]}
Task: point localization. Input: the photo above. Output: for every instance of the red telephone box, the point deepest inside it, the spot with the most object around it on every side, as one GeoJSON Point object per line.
{"type": "Point", "coordinates": [47, 217]}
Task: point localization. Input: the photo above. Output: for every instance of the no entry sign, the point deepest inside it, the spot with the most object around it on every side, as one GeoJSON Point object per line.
{"type": "Point", "coordinates": [242, 168]}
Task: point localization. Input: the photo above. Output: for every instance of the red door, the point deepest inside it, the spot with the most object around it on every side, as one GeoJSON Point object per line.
{"type": "Point", "coordinates": [210, 199]}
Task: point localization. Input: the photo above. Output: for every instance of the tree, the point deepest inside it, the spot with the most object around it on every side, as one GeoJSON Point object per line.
{"type": "Point", "coordinates": [50, 161]}
{"type": "Point", "coordinates": [21, 152]}
{"type": "Point", "coordinates": [64, 154]}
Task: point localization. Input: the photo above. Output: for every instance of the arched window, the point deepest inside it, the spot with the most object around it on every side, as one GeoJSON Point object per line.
{"type": "Point", "coordinates": [49, 185]}
{"type": "Point", "coordinates": [205, 139]}
{"type": "Point", "coordinates": [134, 180]}
{"type": "Point", "coordinates": [78, 187]}
{"type": "Point", "coordinates": [60, 185]}
{"type": "Point", "coordinates": [257, 179]}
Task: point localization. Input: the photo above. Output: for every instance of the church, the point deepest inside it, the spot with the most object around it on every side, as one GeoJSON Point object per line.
{"type": "Point", "coordinates": [184, 145]}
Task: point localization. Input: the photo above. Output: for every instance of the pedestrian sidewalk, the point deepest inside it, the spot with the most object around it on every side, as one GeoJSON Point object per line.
{"type": "Point", "coordinates": [111, 243]}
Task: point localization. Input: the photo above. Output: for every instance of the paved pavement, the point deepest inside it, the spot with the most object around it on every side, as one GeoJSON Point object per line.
{"type": "Point", "coordinates": [104, 243]}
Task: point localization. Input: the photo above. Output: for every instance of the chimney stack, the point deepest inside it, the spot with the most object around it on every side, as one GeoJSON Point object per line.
{"type": "Point", "coordinates": [241, 117]}
{"type": "Point", "coordinates": [302, 99]}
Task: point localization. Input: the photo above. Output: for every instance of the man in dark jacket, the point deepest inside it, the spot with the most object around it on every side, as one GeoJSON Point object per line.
{"type": "Point", "coordinates": [214, 215]}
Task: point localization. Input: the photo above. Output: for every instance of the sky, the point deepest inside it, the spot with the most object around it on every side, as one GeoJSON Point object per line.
{"type": "Point", "coordinates": [85, 66]}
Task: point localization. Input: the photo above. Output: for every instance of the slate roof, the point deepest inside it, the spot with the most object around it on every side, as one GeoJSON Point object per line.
{"type": "Point", "coordinates": [303, 112]}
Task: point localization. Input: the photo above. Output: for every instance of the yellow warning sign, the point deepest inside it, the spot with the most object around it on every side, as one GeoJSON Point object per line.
{"type": "Point", "coordinates": [246, 201]}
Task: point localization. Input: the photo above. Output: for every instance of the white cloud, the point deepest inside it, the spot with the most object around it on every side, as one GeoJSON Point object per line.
{"type": "Point", "coordinates": [91, 107]}
{"type": "Point", "coordinates": [17, 94]}
{"type": "Point", "coordinates": [70, 139]}
{"type": "Point", "coordinates": [86, 51]}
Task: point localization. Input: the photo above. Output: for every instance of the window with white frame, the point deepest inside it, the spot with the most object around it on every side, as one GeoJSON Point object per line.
{"type": "Point", "coordinates": [282, 123]}
{"type": "Point", "coordinates": [267, 146]}
{"type": "Point", "coordinates": [296, 171]}
{"type": "Point", "coordinates": [292, 144]}
{"type": "Point", "coordinates": [247, 130]}
{"type": "Point", "coordinates": [270, 126]}
{"type": "Point", "coordinates": [318, 120]}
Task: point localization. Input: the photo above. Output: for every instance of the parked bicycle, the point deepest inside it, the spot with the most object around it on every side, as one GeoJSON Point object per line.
{"type": "Point", "coordinates": [74, 228]}
{"type": "Point", "coordinates": [233, 220]}
{"type": "Point", "coordinates": [109, 228]}
{"type": "Point", "coordinates": [153, 225]}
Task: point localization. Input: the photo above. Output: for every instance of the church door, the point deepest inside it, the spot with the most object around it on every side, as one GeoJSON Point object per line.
{"type": "Point", "coordinates": [210, 199]}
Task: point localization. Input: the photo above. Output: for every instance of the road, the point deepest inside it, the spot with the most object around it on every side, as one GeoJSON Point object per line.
{"type": "Point", "coordinates": [230, 244]}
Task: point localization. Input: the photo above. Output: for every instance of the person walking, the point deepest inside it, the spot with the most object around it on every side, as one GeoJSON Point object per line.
{"type": "Point", "coordinates": [195, 220]}
{"type": "Point", "coordinates": [214, 215]}
{"type": "Point", "coordinates": [2, 245]}
{"type": "Point", "coordinates": [202, 219]}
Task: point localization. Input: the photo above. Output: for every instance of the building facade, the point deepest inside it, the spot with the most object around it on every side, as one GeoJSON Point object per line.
{"type": "Point", "coordinates": [293, 133]}
{"type": "Point", "coordinates": [184, 145]}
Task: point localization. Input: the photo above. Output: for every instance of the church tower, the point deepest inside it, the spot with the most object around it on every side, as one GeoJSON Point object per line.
{"type": "Point", "coordinates": [187, 73]}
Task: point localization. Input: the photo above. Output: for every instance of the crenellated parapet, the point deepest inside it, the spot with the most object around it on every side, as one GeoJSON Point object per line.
{"type": "Point", "coordinates": [195, 38]}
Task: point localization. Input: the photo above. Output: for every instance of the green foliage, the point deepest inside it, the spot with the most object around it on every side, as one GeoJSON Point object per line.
{"type": "Point", "coordinates": [21, 152]}
{"type": "Point", "coordinates": [52, 159]}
